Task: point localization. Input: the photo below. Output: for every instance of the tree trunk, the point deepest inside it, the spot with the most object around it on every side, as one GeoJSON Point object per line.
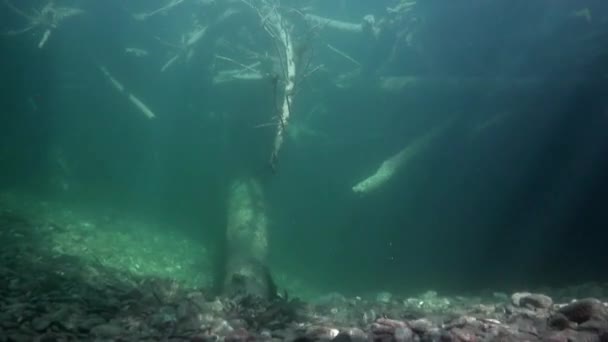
{"type": "Point", "coordinates": [247, 242]}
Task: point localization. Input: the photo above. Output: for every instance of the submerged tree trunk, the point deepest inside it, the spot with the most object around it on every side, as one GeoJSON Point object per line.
{"type": "Point", "coordinates": [247, 242]}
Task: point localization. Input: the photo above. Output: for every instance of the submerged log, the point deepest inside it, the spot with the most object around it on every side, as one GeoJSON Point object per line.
{"type": "Point", "coordinates": [394, 164]}
{"type": "Point", "coordinates": [135, 101]}
{"type": "Point", "coordinates": [368, 24]}
{"type": "Point", "coordinates": [247, 242]}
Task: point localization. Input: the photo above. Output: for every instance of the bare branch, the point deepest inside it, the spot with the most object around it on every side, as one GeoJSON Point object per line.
{"type": "Point", "coordinates": [132, 98]}
{"type": "Point", "coordinates": [163, 10]}
{"type": "Point", "coordinates": [237, 63]}
{"type": "Point", "coordinates": [45, 19]}
{"type": "Point", "coordinates": [343, 54]}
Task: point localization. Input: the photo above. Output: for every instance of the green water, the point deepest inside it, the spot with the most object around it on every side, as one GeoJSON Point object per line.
{"type": "Point", "coordinates": [508, 193]}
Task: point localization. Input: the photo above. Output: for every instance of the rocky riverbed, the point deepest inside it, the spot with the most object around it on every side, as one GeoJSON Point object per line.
{"type": "Point", "coordinates": [47, 294]}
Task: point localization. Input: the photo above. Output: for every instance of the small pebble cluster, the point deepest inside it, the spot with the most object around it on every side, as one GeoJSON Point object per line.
{"type": "Point", "coordinates": [48, 296]}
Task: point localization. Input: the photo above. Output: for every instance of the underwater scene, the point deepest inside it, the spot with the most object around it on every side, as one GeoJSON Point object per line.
{"type": "Point", "coordinates": [304, 170]}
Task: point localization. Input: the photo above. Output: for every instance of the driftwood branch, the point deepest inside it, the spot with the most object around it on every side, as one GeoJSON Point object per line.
{"type": "Point", "coordinates": [45, 20]}
{"type": "Point", "coordinates": [162, 10]}
{"type": "Point", "coordinates": [368, 24]}
{"type": "Point", "coordinates": [277, 28]}
{"type": "Point", "coordinates": [132, 98]}
{"type": "Point", "coordinates": [343, 54]}
{"type": "Point", "coordinates": [186, 47]}
{"type": "Point", "coordinates": [245, 73]}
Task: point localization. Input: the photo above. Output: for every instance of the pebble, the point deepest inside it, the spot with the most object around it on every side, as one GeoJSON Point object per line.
{"type": "Point", "coordinates": [88, 323]}
{"type": "Point", "coordinates": [534, 300]}
{"type": "Point", "coordinates": [355, 335]}
{"type": "Point", "coordinates": [421, 326]}
{"type": "Point", "coordinates": [404, 334]}
{"type": "Point", "coordinates": [40, 323]}
{"type": "Point", "coordinates": [106, 330]}
{"type": "Point", "coordinates": [538, 301]}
